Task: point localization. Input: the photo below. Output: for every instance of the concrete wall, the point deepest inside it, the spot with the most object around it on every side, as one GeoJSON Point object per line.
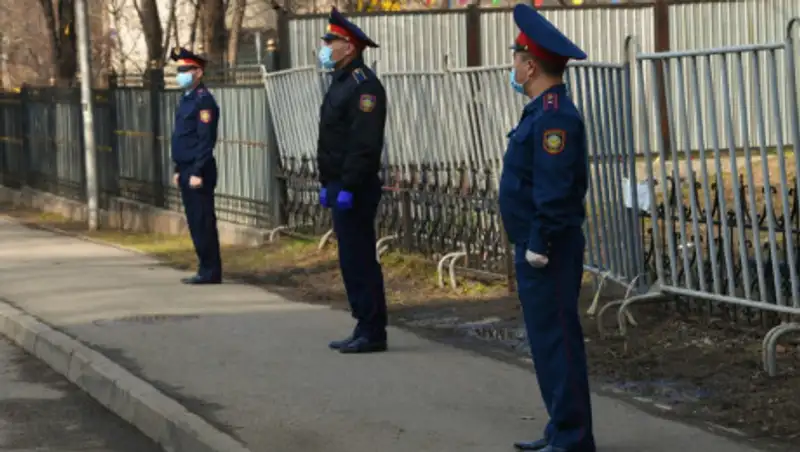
{"type": "Point", "coordinates": [128, 215]}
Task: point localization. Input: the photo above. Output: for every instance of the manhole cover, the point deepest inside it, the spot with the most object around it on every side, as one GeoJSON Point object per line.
{"type": "Point", "coordinates": [152, 319]}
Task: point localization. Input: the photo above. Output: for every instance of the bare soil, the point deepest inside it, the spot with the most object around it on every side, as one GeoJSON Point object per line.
{"type": "Point", "coordinates": [694, 367]}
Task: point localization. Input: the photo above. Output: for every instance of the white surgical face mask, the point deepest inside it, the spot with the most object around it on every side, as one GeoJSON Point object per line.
{"type": "Point", "coordinates": [325, 56]}
{"type": "Point", "coordinates": [184, 79]}
{"type": "Point", "coordinates": [515, 85]}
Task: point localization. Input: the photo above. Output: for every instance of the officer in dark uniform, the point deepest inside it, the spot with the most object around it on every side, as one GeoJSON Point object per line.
{"type": "Point", "coordinates": [351, 133]}
{"type": "Point", "coordinates": [541, 197]}
{"type": "Point", "coordinates": [193, 142]}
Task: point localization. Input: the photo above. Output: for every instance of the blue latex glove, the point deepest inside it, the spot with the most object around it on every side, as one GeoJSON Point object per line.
{"type": "Point", "coordinates": [323, 197]}
{"type": "Point", "coordinates": [345, 200]}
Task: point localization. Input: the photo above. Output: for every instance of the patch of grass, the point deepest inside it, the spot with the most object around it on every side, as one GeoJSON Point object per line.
{"type": "Point", "coordinates": [291, 262]}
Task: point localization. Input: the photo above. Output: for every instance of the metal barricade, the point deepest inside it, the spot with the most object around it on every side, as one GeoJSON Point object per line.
{"type": "Point", "coordinates": [722, 178]}
{"type": "Point", "coordinates": [294, 97]}
{"type": "Point", "coordinates": [445, 139]}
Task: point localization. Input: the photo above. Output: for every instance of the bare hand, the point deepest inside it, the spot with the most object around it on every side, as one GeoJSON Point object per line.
{"type": "Point", "coordinates": [175, 178]}
{"type": "Point", "coordinates": [195, 181]}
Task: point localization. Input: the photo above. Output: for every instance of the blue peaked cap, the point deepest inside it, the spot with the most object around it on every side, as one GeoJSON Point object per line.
{"type": "Point", "coordinates": [341, 28]}
{"type": "Point", "coordinates": [542, 34]}
{"type": "Point", "coordinates": [186, 58]}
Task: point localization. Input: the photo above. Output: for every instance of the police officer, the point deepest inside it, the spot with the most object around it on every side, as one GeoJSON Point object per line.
{"type": "Point", "coordinates": [193, 142]}
{"type": "Point", "coordinates": [541, 197]}
{"type": "Point", "coordinates": [351, 133]}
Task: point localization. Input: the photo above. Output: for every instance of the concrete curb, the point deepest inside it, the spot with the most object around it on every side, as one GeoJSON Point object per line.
{"type": "Point", "coordinates": [161, 418]}
{"type": "Point", "coordinates": [134, 400]}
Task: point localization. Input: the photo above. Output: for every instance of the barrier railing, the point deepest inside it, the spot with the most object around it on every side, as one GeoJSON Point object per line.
{"type": "Point", "coordinates": [445, 138]}
{"type": "Point", "coordinates": [724, 224]}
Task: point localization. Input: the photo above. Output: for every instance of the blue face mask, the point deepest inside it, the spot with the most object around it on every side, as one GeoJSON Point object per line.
{"type": "Point", "coordinates": [184, 79]}
{"type": "Point", "coordinates": [518, 87]}
{"type": "Point", "coordinates": [325, 56]}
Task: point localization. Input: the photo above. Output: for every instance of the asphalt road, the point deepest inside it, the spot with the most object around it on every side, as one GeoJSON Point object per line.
{"type": "Point", "coordinates": [42, 411]}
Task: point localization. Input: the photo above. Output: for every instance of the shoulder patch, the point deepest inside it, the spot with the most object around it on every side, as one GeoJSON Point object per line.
{"type": "Point", "coordinates": [360, 76]}
{"type": "Point", "coordinates": [551, 101]}
{"type": "Point", "coordinates": [206, 116]}
{"type": "Point", "coordinates": [367, 102]}
{"type": "Point", "coordinates": [554, 141]}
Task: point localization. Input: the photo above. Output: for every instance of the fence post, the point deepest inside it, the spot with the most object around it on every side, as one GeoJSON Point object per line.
{"type": "Point", "coordinates": [284, 57]}
{"type": "Point", "coordinates": [155, 84]}
{"type": "Point", "coordinates": [662, 38]}
{"type": "Point", "coordinates": [25, 158]}
{"type": "Point", "coordinates": [280, 58]}
{"type": "Point", "coordinates": [271, 60]}
{"type": "Point", "coordinates": [473, 18]}
{"type": "Point", "coordinates": [113, 139]}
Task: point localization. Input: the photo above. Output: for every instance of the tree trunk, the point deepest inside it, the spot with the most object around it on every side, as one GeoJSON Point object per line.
{"type": "Point", "coordinates": [195, 25]}
{"type": "Point", "coordinates": [153, 32]}
{"type": "Point", "coordinates": [213, 15]}
{"type": "Point", "coordinates": [172, 24]}
{"type": "Point", "coordinates": [239, 7]}
{"type": "Point", "coordinates": [61, 22]}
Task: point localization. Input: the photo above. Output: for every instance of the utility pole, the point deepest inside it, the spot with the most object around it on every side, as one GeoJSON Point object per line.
{"type": "Point", "coordinates": [88, 113]}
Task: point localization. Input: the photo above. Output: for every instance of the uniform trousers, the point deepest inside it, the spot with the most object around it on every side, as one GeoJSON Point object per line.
{"type": "Point", "coordinates": [198, 204]}
{"type": "Point", "coordinates": [549, 298]}
{"type": "Point", "coordinates": [361, 271]}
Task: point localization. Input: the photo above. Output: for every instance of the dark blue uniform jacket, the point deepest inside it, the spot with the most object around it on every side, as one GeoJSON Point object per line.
{"type": "Point", "coordinates": [351, 128]}
{"type": "Point", "coordinates": [544, 178]}
{"type": "Point", "coordinates": [195, 132]}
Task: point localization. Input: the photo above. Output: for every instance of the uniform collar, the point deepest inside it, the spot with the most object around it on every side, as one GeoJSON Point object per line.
{"type": "Point", "coordinates": [356, 63]}
{"type": "Point", "coordinates": [536, 103]}
{"type": "Point", "coordinates": [193, 92]}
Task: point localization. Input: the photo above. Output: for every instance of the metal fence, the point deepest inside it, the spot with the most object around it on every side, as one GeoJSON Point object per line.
{"type": "Point", "coordinates": [445, 139]}
{"type": "Point", "coordinates": [723, 223]}
{"type": "Point", "coordinates": [421, 40]}
{"type": "Point", "coordinates": [437, 40]}
{"type": "Point", "coordinates": [42, 147]}
{"type": "Point", "coordinates": [707, 208]}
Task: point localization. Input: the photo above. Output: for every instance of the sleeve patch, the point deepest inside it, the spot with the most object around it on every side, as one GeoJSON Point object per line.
{"type": "Point", "coordinates": [367, 102]}
{"type": "Point", "coordinates": [205, 116]}
{"type": "Point", "coordinates": [554, 141]}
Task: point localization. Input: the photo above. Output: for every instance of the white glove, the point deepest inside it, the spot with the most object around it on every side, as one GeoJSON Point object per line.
{"type": "Point", "coordinates": [536, 260]}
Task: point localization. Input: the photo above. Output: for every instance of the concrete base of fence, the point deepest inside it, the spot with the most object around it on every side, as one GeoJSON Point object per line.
{"type": "Point", "coordinates": [128, 215]}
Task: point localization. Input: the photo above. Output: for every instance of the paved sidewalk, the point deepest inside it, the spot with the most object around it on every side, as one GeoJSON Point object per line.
{"type": "Point", "coordinates": [257, 365]}
{"type": "Point", "coordinates": [41, 411]}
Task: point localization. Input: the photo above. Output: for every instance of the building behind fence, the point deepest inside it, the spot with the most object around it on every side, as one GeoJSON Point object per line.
{"type": "Point", "coordinates": [694, 189]}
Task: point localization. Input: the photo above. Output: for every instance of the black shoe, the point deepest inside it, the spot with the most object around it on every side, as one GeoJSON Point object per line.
{"type": "Point", "coordinates": [336, 345]}
{"type": "Point", "coordinates": [197, 279]}
{"type": "Point", "coordinates": [531, 445]}
{"type": "Point", "coordinates": [363, 345]}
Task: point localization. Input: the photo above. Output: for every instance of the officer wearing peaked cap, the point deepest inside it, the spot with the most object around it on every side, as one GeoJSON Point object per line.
{"type": "Point", "coordinates": [541, 198]}
{"type": "Point", "coordinates": [193, 141]}
{"type": "Point", "coordinates": [351, 134]}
